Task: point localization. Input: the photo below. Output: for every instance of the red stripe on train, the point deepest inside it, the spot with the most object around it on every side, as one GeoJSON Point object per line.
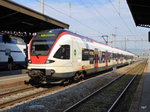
{"type": "Point", "coordinates": [62, 34]}
{"type": "Point", "coordinates": [38, 59]}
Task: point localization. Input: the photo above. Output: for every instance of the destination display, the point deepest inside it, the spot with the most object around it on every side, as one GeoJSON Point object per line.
{"type": "Point", "coordinates": [46, 35]}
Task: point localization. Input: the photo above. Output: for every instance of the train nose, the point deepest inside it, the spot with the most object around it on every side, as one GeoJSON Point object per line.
{"type": "Point", "coordinates": [35, 73]}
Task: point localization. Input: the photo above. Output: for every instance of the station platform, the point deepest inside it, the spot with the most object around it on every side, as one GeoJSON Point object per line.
{"type": "Point", "coordinates": [13, 72]}
{"type": "Point", "coordinates": [145, 93]}
{"type": "Point", "coordinates": [12, 77]}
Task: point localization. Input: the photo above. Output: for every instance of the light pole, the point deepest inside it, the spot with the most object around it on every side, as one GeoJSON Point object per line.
{"type": "Point", "coordinates": [42, 6]}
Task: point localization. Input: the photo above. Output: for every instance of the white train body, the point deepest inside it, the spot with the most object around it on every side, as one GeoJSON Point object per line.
{"type": "Point", "coordinates": [15, 47]}
{"type": "Point", "coordinates": [60, 54]}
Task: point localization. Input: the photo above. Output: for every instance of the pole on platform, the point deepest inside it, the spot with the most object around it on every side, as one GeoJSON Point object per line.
{"type": "Point", "coordinates": [42, 6]}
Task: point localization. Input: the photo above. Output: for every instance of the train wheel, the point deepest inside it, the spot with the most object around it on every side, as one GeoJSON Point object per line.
{"type": "Point", "coordinates": [76, 77]}
{"type": "Point", "coordinates": [82, 75]}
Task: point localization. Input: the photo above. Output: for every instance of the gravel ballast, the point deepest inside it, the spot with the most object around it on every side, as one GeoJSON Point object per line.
{"type": "Point", "coordinates": [61, 100]}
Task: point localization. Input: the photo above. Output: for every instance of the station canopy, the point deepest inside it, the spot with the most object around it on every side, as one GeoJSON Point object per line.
{"type": "Point", "coordinates": [140, 10]}
{"type": "Point", "coordinates": [15, 17]}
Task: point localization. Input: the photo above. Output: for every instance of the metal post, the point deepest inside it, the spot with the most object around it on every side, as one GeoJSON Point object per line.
{"type": "Point", "coordinates": [125, 43]}
{"type": "Point", "coordinates": [114, 40]}
{"type": "Point", "coordinates": [42, 6]}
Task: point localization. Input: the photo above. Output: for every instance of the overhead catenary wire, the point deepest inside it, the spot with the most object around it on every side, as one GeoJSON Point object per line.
{"type": "Point", "coordinates": [89, 11]}
{"type": "Point", "coordinates": [85, 25]}
{"type": "Point", "coordinates": [131, 20]}
{"type": "Point", "coordinates": [98, 12]}
{"type": "Point", "coordinates": [124, 22]}
{"type": "Point", "coordinates": [95, 13]}
{"type": "Point", "coordinates": [122, 19]}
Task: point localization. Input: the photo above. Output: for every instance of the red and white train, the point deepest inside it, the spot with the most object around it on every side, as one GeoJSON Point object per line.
{"type": "Point", "coordinates": [60, 54]}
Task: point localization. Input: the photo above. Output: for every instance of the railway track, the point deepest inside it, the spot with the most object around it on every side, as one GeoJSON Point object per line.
{"type": "Point", "coordinates": [29, 96]}
{"type": "Point", "coordinates": [5, 94]}
{"type": "Point", "coordinates": [38, 92]}
{"type": "Point", "coordinates": [116, 102]}
{"type": "Point", "coordinates": [85, 103]}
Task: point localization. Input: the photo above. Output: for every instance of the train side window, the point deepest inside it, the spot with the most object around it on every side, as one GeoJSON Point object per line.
{"type": "Point", "coordinates": [100, 56]}
{"type": "Point", "coordinates": [1, 38]}
{"type": "Point", "coordinates": [110, 56]}
{"type": "Point", "coordinates": [85, 54]}
{"type": "Point", "coordinates": [103, 57]}
{"type": "Point", "coordinates": [91, 56]}
{"type": "Point", "coordinates": [116, 57]}
{"type": "Point", "coordinates": [113, 56]}
{"type": "Point", "coordinates": [63, 52]}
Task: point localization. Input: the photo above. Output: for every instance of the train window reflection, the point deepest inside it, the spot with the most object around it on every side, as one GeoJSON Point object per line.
{"type": "Point", "coordinates": [41, 47]}
{"type": "Point", "coordinates": [85, 54]}
{"type": "Point", "coordinates": [63, 52]}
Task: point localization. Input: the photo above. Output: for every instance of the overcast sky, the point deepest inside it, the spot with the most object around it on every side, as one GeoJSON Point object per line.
{"type": "Point", "coordinates": [94, 18]}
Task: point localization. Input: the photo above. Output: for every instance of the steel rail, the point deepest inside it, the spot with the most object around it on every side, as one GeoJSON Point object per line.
{"type": "Point", "coordinates": [92, 94]}
{"type": "Point", "coordinates": [16, 91]}
{"type": "Point", "coordinates": [18, 100]}
{"type": "Point", "coordinates": [125, 90]}
{"type": "Point", "coordinates": [95, 92]}
{"type": "Point", "coordinates": [27, 97]}
{"type": "Point", "coordinates": [121, 95]}
{"type": "Point", "coordinates": [15, 101]}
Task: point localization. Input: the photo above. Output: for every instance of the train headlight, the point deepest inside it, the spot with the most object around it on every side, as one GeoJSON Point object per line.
{"type": "Point", "coordinates": [49, 61]}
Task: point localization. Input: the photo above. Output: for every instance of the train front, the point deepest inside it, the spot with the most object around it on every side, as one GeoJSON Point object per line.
{"type": "Point", "coordinates": [39, 62]}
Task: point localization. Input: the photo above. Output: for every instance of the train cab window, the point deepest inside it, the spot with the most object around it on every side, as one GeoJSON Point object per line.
{"type": "Point", "coordinates": [40, 47]}
{"type": "Point", "coordinates": [85, 54]}
{"type": "Point", "coordinates": [63, 52]}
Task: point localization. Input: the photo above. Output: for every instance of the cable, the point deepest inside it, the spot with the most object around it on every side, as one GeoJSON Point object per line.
{"type": "Point", "coordinates": [105, 20]}
{"type": "Point", "coordinates": [98, 12]}
{"type": "Point", "coordinates": [123, 20]}
{"type": "Point", "coordinates": [120, 16]}
{"type": "Point", "coordinates": [70, 17]}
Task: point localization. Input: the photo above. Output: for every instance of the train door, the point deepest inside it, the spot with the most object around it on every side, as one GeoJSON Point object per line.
{"type": "Point", "coordinates": [106, 57]}
{"type": "Point", "coordinates": [96, 58]}
{"type": "Point", "coordinates": [76, 54]}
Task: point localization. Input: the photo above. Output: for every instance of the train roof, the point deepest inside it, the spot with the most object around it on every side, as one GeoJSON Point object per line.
{"type": "Point", "coordinates": [12, 39]}
{"type": "Point", "coordinates": [107, 47]}
{"type": "Point", "coordinates": [104, 46]}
